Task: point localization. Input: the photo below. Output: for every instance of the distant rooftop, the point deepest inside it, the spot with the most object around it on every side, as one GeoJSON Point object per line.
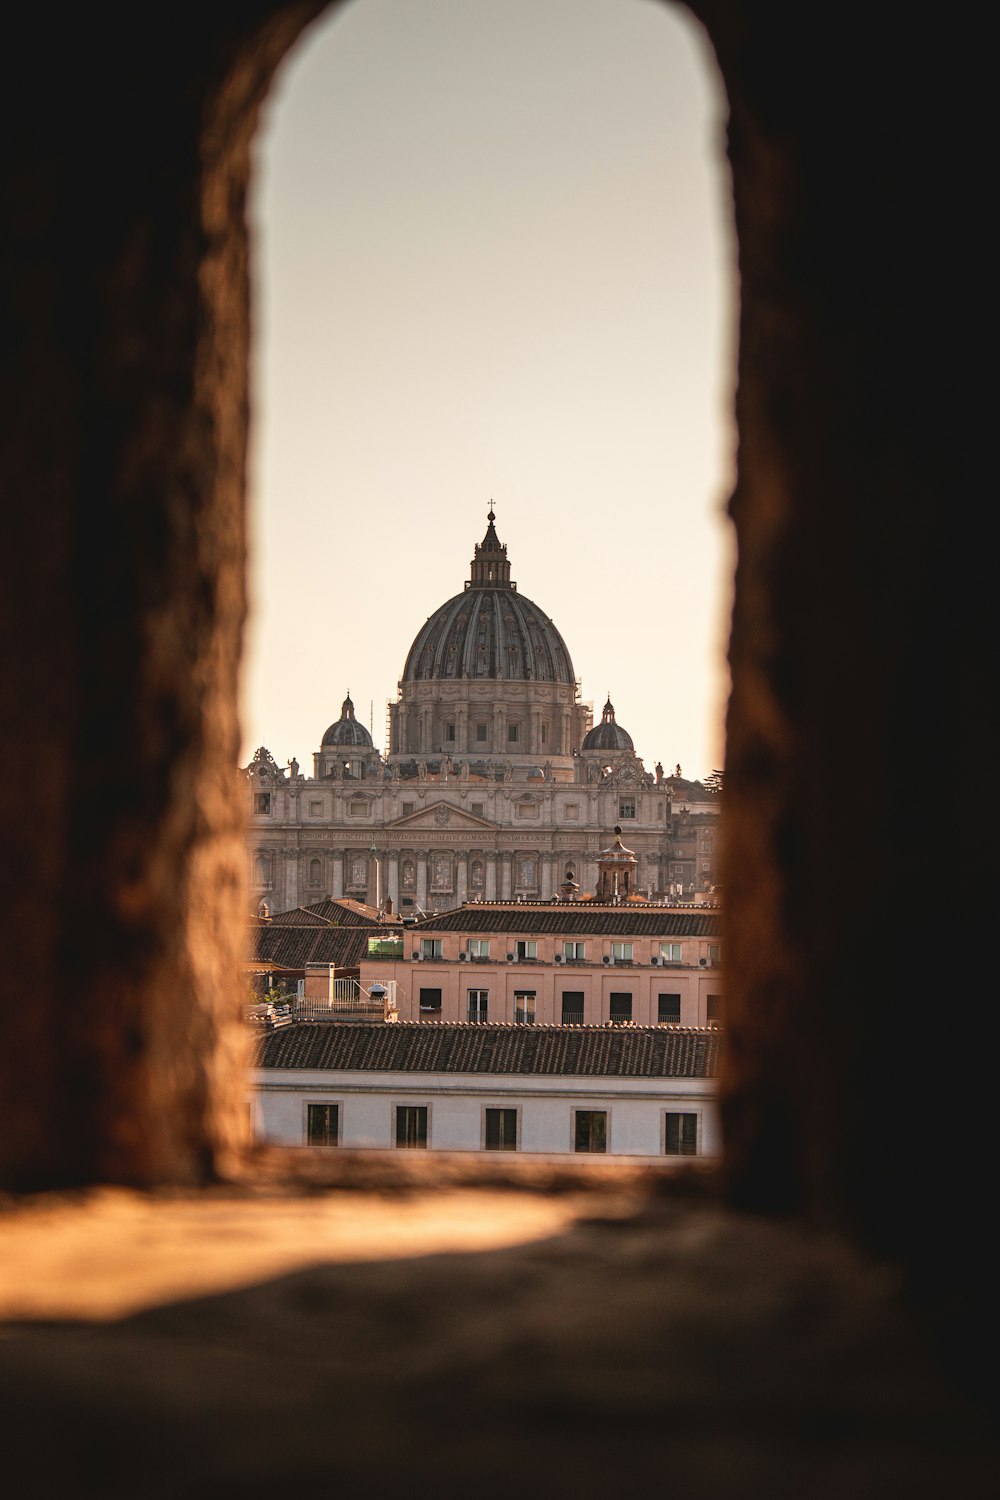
{"type": "Point", "coordinates": [328, 932]}
{"type": "Point", "coordinates": [457, 1047]}
{"type": "Point", "coordinates": [574, 918]}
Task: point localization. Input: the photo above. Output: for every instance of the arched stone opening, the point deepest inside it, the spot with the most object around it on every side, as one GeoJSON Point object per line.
{"type": "Point", "coordinates": [125, 396]}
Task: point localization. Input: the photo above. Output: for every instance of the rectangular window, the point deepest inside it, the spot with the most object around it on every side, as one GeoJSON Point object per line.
{"type": "Point", "coordinates": [715, 954]}
{"type": "Point", "coordinates": [479, 1004]}
{"type": "Point", "coordinates": [670, 953]}
{"type": "Point", "coordinates": [680, 1135]}
{"type": "Point", "coordinates": [315, 809]}
{"type": "Point", "coordinates": [527, 810]}
{"type": "Point", "coordinates": [572, 1007]}
{"type": "Point", "coordinates": [449, 733]}
{"type": "Point", "coordinates": [479, 809]}
{"type": "Point", "coordinates": [713, 1009]}
{"type": "Point", "coordinates": [572, 812]}
{"type": "Point", "coordinates": [481, 732]}
{"type": "Point", "coordinates": [545, 734]}
{"type": "Point", "coordinates": [430, 947]}
{"type": "Point", "coordinates": [621, 953]}
{"type": "Point", "coordinates": [524, 1007]}
{"type": "Point", "coordinates": [262, 802]}
{"type": "Point", "coordinates": [513, 733]}
{"type": "Point", "coordinates": [626, 807]}
{"type": "Point", "coordinates": [668, 1011]}
{"type": "Point", "coordinates": [385, 947]}
{"type": "Point", "coordinates": [527, 949]}
{"type": "Point", "coordinates": [406, 809]}
{"type": "Point", "coordinates": [574, 950]}
{"type": "Point", "coordinates": [479, 947]}
{"type": "Point", "coordinates": [500, 1129]}
{"type": "Point", "coordinates": [590, 1130]}
{"type": "Point", "coordinates": [323, 1124]}
{"type": "Point", "coordinates": [621, 1005]}
{"type": "Point", "coordinates": [430, 999]}
{"type": "Point", "coordinates": [358, 809]}
{"type": "Point", "coordinates": [411, 1126]}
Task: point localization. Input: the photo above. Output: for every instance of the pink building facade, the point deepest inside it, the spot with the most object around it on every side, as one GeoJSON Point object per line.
{"type": "Point", "coordinates": [569, 963]}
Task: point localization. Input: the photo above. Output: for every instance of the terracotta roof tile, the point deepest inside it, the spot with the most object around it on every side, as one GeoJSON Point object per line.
{"type": "Point", "coordinates": [576, 920]}
{"type": "Point", "coordinates": [448, 1047]}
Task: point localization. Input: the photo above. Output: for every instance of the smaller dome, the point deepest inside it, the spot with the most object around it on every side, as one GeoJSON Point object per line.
{"type": "Point", "coordinates": [607, 735]}
{"type": "Point", "coordinates": [347, 730]}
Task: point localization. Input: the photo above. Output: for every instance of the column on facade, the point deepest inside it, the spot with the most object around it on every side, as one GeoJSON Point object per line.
{"type": "Point", "coordinates": [390, 863]}
{"type": "Point", "coordinates": [500, 729]}
{"type": "Point", "coordinates": [462, 746]}
{"type": "Point", "coordinates": [420, 856]}
{"type": "Point", "coordinates": [548, 885]}
{"type": "Point", "coordinates": [292, 882]}
{"type": "Point", "coordinates": [490, 877]}
{"type": "Point", "coordinates": [506, 890]}
{"type": "Point", "coordinates": [337, 883]}
{"type": "Point", "coordinates": [461, 877]}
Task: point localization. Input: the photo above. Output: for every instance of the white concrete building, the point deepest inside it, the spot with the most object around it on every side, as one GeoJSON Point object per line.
{"type": "Point", "coordinates": [611, 1091]}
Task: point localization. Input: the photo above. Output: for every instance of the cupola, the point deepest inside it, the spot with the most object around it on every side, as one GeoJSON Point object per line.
{"type": "Point", "coordinates": [616, 872]}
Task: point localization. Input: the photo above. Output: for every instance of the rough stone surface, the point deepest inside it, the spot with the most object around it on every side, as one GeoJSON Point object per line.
{"type": "Point", "coordinates": [682, 1347]}
{"type": "Point", "coordinates": [123, 300]}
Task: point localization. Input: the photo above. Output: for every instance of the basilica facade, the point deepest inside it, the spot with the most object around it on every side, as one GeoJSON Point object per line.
{"type": "Point", "coordinates": [495, 785]}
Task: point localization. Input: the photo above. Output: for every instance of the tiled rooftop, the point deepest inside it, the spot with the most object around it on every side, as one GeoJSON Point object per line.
{"type": "Point", "coordinates": [455, 1047]}
{"type": "Point", "coordinates": [296, 947]}
{"type": "Point", "coordinates": [337, 932]}
{"type": "Point", "coordinates": [576, 919]}
{"type": "Point", "coordinates": [328, 932]}
{"type": "Point", "coordinates": [341, 913]}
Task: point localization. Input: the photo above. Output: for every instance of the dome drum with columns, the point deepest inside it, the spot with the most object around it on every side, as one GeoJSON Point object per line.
{"type": "Point", "coordinates": [495, 784]}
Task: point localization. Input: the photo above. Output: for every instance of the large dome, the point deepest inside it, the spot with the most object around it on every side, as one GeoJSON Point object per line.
{"type": "Point", "coordinates": [490, 630]}
{"type": "Point", "coordinates": [347, 730]}
{"type": "Point", "coordinates": [608, 735]}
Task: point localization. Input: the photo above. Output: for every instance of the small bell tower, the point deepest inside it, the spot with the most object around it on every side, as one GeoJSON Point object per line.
{"type": "Point", "coordinates": [616, 872]}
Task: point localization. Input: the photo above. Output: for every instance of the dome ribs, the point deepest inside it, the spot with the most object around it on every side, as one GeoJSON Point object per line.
{"type": "Point", "coordinates": [519, 642]}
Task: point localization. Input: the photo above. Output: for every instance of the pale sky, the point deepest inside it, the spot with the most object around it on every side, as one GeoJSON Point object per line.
{"type": "Point", "coordinates": [494, 260]}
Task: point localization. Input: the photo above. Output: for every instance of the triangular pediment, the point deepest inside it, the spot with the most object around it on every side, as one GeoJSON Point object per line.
{"type": "Point", "coordinates": [441, 815]}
